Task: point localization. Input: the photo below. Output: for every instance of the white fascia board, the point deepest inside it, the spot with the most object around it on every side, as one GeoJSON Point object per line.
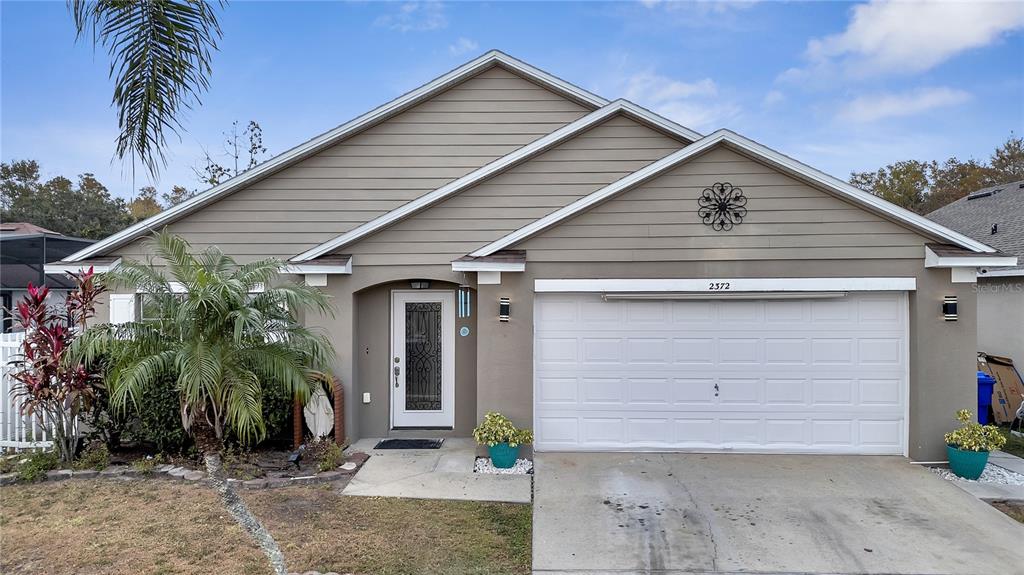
{"type": "Point", "coordinates": [59, 268]}
{"type": "Point", "coordinates": [458, 266]}
{"type": "Point", "coordinates": [933, 260]}
{"type": "Point", "coordinates": [497, 166]}
{"type": "Point", "coordinates": [300, 269]}
{"type": "Point", "coordinates": [987, 273]}
{"type": "Point", "coordinates": [334, 136]}
{"type": "Point", "coordinates": [724, 285]}
{"type": "Point", "coordinates": [743, 144]}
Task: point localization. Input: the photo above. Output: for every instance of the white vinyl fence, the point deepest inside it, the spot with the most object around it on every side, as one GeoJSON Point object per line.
{"type": "Point", "coordinates": [16, 430]}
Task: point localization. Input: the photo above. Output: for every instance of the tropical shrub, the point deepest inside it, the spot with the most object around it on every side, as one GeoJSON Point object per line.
{"type": "Point", "coordinates": [327, 454]}
{"type": "Point", "coordinates": [96, 456]}
{"type": "Point", "coordinates": [231, 333]}
{"type": "Point", "coordinates": [158, 417]}
{"type": "Point", "coordinates": [973, 436]}
{"type": "Point", "coordinates": [36, 464]}
{"type": "Point", "coordinates": [496, 428]}
{"type": "Point", "coordinates": [51, 385]}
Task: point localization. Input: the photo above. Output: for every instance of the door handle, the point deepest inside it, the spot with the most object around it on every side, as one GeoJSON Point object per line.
{"type": "Point", "coordinates": [397, 371]}
{"type": "Point", "coordinates": [716, 390]}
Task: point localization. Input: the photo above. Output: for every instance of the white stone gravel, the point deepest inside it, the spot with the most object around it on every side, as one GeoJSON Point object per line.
{"type": "Point", "coordinates": [484, 465]}
{"type": "Point", "coordinates": [991, 474]}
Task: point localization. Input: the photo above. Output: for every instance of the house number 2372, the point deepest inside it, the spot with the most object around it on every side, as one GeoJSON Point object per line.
{"type": "Point", "coordinates": [718, 286]}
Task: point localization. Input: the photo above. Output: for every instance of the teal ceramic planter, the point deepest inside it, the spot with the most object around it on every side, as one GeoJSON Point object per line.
{"type": "Point", "coordinates": [966, 464]}
{"type": "Point", "coordinates": [503, 455]}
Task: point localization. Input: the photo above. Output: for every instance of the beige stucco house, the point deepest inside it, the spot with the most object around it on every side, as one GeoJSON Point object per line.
{"type": "Point", "coordinates": [500, 239]}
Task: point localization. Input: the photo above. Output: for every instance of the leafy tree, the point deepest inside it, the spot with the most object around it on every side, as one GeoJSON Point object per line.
{"type": "Point", "coordinates": [52, 386]}
{"type": "Point", "coordinates": [160, 54]}
{"type": "Point", "coordinates": [1007, 162]}
{"type": "Point", "coordinates": [145, 204]}
{"type": "Point", "coordinates": [927, 186]}
{"type": "Point", "coordinates": [85, 209]}
{"type": "Point", "coordinates": [239, 155]}
{"type": "Point", "coordinates": [177, 195]}
{"type": "Point", "coordinates": [222, 345]}
{"type": "Point", "coordinates": [903, 183]}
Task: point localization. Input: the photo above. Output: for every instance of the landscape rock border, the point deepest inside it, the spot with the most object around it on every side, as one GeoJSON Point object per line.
{"type": "Point", "coordinates": [186, 474]}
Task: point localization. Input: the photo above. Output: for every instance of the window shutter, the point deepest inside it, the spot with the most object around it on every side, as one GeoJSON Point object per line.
{"type": "Point", "coordinates": [122, 307]}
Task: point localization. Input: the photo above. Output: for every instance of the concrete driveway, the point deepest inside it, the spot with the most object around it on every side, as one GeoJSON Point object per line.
{"type": "Point", "coordinates": [701, 513]}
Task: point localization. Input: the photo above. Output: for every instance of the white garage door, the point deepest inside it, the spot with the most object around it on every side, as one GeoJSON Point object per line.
{"type": "Point", "coordinates": [808, 375]}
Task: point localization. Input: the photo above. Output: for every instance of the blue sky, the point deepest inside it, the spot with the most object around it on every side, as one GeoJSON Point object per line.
{"type": "Point", "coordinates": [841, 86]}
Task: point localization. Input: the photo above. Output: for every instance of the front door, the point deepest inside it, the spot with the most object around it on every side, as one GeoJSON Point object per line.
{"type": "Point", "coordinates": [422, 359]}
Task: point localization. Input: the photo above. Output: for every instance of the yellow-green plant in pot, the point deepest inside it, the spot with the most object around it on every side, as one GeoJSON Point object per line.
{"type": "Point", "coordinates": [502, 439]}
{"type": "Point", "coordinates": [968, 447]}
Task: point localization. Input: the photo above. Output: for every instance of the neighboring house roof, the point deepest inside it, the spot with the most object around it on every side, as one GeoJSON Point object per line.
{"type": "Point", "coordinates": [19, 228]}
{"type": "Point", "coordinates": [751, 148]}
{"type": "Point", "coordinates": [994, 215]}
{"type": "Point", "coordinates": [503, 163]}
{"type": "Point", "coordinates": [346, 130]}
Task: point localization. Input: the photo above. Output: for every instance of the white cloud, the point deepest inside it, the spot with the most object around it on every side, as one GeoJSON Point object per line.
{"type": "Point", "coordinates": [871, 108]}
{"type": "Point", "coordinates": [773, 97]}
{"type": "Point", "coordinates": [462, 46]}
{"type": "Point", "coordinates": [415, 17]}
{"type": "Point", "coordinates": [693, 104]}
{"type": "Point", "coordinates": [885, 37]}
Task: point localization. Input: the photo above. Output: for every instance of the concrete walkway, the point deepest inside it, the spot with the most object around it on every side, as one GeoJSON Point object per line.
{"type": "Point", "coordinates": [732, 513]}
{"type": "Point", "coordinates": [445, 473]}
{"type": "Point", "coordinates": [995, 491]}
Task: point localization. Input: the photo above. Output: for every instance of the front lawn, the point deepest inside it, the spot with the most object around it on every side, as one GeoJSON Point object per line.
{"type": "Point", "coordinates": [164, 527]}
{"type": "Point", "coordinates": [1014, 444]}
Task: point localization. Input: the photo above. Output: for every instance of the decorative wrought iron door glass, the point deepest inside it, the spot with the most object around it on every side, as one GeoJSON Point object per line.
{"type": "Point", "coordinates": [423, 356]}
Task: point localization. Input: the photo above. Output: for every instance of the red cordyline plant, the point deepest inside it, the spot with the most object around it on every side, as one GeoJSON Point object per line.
{"type": "Point", "coordinates": [51, 387]}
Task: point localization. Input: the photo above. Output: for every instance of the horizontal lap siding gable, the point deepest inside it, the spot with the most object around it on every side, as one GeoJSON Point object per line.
{"type": "Point", "coordinates": [495, 207]}
{"type": "Point", "coordinates": [371, 173]}
{"type": "Point", "coordinates": [786, 220]}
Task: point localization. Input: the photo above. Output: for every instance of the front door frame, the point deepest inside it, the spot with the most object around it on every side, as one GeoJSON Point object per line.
{"type": "Point", "coordinates": [400, 417]}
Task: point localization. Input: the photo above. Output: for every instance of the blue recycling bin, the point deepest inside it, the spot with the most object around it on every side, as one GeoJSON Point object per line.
{"type": "Point", "coordinates": [985, 384]}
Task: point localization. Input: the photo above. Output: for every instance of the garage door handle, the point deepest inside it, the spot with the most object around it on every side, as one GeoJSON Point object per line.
{"type": "Point", "coordinates": [716, 390]}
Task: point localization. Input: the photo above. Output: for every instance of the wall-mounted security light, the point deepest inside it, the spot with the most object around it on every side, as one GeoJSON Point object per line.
{"type": "Point", "coordinates": [504, 307]}
{"type": "Point", "coordinates": [420, 284]}
{"type": "Point", "coordinates": [949, 308]}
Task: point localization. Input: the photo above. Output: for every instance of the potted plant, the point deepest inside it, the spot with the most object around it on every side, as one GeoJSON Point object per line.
{"type": "Point", "coordinates": [501, 438]}
{"type": "Point", "coordinates": [968, 447]}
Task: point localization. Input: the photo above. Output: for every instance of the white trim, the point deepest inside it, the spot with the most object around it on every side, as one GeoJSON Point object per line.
{"type": "Point", "coordinates": [963, 275]}
{"type": "Point", "coordinates": [496, 167]}
{"type": "Point", "coordinates": [59, 268]}
{"type": "Point", "coordinates": [933, 260]}
{"type": "Point", "coordinates": [746, 145]}
{"type": "Point", "coordinates": [316, 280]}
{"type": "Point", "coordinates": [331, 137]}
{"type": "Point", "coordinates": [743, 295]}
{"type": "Point", "coordinates": [731, 285]}
{"type": "Point", "coordinates": [300, 269]}
{"type": "Point", "coordinates": [122, 308]}
{"type": "Point", "coordinates": [987, 273]}
{"type": "Point", "coordinates": [458, 266]}
{"type": "Point", "coordinates": [488, 278]}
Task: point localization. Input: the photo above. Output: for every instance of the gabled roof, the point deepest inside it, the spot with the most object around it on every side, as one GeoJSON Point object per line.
{"type": "Point", "coordinates": [350, 128]}
{"type": "Point", "coordinates": [500, 165]}
{"type": "Point", "coordinates": [994, 215]}
{"type": "Point", "coordinates": [749, 147]}
{"type": "Point", "coordinates": [24, 228]}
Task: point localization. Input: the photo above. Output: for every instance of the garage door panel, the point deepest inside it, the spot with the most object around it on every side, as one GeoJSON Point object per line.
{"type": "Point", "coordinates": [792, 375]}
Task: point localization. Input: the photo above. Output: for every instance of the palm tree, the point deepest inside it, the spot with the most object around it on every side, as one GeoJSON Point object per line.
{"type": "Point", "coordinates": [160, 54]}
{"type": "Point", "coordinates": [223, 333]}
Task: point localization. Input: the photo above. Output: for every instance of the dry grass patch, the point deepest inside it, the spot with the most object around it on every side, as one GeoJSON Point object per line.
{"type": "Point", "coordinates": [1014, 510]}
{"type": "Point", "coordinates": [164, 527]}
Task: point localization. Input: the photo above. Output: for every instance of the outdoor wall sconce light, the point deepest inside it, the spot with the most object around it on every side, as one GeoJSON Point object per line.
{"type": "Point", "coordinates": [949, 308]}
{"type": "Point", "coordinates": [504, 307]}
{"type": "Point", "coordinates": [420, 284]}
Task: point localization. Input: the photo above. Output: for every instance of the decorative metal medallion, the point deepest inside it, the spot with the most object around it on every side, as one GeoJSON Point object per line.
{"type": "Point", "coordinates": [722, 206]}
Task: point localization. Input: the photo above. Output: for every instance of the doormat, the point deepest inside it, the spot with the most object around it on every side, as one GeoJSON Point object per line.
{"type": "Point", "coordinates": [409, 444]}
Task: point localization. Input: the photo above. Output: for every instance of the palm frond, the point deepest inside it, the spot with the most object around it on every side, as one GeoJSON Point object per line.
{"type": "Point", "coordinates": [160, 52]}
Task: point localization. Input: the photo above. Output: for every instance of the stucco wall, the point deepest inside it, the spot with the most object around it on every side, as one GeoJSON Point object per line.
{"type": "Point", "coordinates": [1001, 317]}
{"type": "Point", "coordinates": [941, 365]}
